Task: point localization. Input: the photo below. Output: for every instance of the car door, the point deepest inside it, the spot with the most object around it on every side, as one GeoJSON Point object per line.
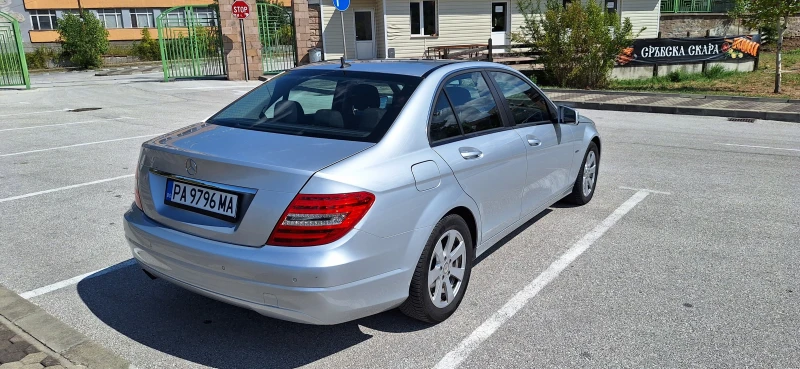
{"type": "Point", "coordinates": [549, 144]}
{"type": "Point", "coordinates": [487, 157]}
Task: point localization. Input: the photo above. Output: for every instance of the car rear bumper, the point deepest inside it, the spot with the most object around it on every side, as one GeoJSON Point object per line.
{"type": "Point", "coordinates": [357, 276]}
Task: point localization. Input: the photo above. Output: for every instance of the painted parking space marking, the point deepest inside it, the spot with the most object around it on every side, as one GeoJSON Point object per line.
{"type": "Point", "coordinates": [12, 198]}
{"type": "Point", "coordinates": [74, 280]}
{"type": "Point", "coordinates": [79, 145]}
{"type": "Point", "coordinates": [33, 112]}
{"type": "Point", "coordinates": [454, 358]}
{"type": "Point", "coordinates": [65, 124]}
{"type": "Point", "coordinates": [206, 88]}
{"type": "Point", "coordinates": [645, 189]}
{"type": "Point", "coordinates": [757, 147]}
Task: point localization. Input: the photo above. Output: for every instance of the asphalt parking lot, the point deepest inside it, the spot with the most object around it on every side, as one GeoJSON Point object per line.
{"type": "Point", "coordinates": [686, 256]}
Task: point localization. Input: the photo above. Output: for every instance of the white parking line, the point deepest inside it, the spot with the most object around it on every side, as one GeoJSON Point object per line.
{"type": "Point", "coordinates": [206, 88]}
{"type": "Point", "coordinates": [454, 358]}
{"type": "Point", "coordinates": [74, 280]}
{"type": "Point", "coordinates": [757, 147]}
{"type": "Point", "coordinates": [12, 198]}
{"type": "Point", "coordinates": [64, 124]}
{"type": "Point", "coordinates": [78, 145]}
{"type": "Point", "coordinates": [644, 189]}
{"type": "Point", "coordinates": [34, 112]}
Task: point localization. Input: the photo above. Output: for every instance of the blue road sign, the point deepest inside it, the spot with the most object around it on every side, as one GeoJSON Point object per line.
{"type": "Point", "coordinates": [341, 5]}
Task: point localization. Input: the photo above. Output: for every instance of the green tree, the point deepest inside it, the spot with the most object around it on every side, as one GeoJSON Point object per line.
{"type": "Point", "coordinates": [147, 48]}
{"type": "Point", "coordinates": [580, 42]}
{"type": "Point", "coordinates": [83, 39]}
{"type": "Point", "coordinates": [762, 14]}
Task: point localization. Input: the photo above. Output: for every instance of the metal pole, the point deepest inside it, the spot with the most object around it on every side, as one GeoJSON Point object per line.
{"type": "Point", "coordinates": [244, 52]}
{"type": "Point", "coordinates": [344, 42]}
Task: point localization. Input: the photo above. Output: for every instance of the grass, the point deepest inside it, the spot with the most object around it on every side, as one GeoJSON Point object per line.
{"type": "Point", "coordinates": [717, 81]}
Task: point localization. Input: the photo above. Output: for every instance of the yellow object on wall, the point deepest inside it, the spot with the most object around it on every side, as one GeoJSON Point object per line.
{"type": "Point", "coordinates": [114, 34]}
{"type": "Point", "coordinates": [106, 4]}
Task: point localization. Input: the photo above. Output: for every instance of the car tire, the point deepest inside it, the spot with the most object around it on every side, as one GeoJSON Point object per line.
{"type": "Point", "coordinates": [585, 183]}
{"type": "Point", "coordinates": [429, 298]}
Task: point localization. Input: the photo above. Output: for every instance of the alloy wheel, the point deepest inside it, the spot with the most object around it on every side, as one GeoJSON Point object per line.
{"type": "Point", "coordinates": [446, 268]}
{"type": "Point", "coordinates": [589, 173]}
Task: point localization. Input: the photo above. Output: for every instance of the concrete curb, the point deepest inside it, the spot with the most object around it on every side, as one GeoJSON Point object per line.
{"type": "Point", "coordinates": [685, 110]}
{"type": "Point", "coordinates": [55, 335]}
{"type": "Point", "coordinates": [671, 95]}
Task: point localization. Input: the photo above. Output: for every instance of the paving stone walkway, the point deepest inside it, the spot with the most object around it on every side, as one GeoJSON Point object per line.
{"type": "Point", "coordinates": [17, 353]}
{"type": "Point", "coordinates": [725, 106]}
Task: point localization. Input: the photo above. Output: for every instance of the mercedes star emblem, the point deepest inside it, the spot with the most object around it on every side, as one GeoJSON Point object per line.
{"type": "Point", "coordinates": [191, 167]}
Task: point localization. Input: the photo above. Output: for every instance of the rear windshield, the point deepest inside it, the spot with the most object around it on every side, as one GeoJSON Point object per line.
{"type": "Point", "coordinates": [342, 105]}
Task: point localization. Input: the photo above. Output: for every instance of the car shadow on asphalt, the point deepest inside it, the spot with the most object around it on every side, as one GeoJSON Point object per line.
{"type": "Point", "coordinates": [511, 235]}
{"type": "Point", "coordinates": [183, 324]}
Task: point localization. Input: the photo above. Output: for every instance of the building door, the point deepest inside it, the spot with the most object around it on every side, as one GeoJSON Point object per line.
{"type": "Point", "coordinates": [500, 25]}
{"type": "Point", "coordinates": [365, 38]}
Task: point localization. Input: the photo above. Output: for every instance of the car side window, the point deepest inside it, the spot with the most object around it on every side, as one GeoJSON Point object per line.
{"type": "Point", "coordinates": [473, 102]}
{"type": "Point", "coordinates": [443, 123]}
{"type": "Point", "coordinates": [527, 105]}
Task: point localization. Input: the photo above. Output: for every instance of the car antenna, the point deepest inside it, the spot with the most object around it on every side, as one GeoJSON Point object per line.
{"type": "Point", "coordinates": [344, 64]}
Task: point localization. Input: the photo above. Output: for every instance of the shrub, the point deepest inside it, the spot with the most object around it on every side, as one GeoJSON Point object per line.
{"type": "Point", "coordinates": [41, 58]}
{"type": "Point", "coordinates": [678, 76]}
{"type": "Point", "coordinates": [83, 39]}
{"type": "Point", "coordinates": [716, 72]}
{"type": "Point", "coordinates": [147, 48]}
{"type": "Point", "coordinates": [120, 50]}
{"type": "Point", "coordinates": [580, 42]}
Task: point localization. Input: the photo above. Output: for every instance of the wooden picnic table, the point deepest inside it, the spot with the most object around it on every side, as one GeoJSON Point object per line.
{"type": "Point", "coordinates": [443, 51]}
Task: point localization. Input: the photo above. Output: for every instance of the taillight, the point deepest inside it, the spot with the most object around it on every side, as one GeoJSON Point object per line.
{"type": "Point", "coordinates": [313, 220]}
{"type": "Point", "coordinates": [136, 198]}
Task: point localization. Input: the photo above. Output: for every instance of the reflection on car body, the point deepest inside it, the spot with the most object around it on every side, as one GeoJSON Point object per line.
{"type": "Point", "coordinates": [360, 187]}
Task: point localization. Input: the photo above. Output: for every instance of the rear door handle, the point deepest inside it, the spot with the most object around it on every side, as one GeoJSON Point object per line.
{"type": "Point", "coordinates": [470, 153]}
{"type": "Point", "coordinates": [533, 141]}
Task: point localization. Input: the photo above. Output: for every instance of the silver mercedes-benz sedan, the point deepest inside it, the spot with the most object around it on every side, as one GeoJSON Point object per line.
{"type": "Point", "coordinates": [340, 190]}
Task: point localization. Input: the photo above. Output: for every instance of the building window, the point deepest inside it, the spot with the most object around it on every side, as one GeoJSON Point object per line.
{"type": "Point", "coordinates": [142, 18]}
{"type": "Point", "coordinates": [423, 18]}
{"type": "Point", "coordinates": [44, 19]}
{"type": "Point", "coordinates": [205, 16]}
{"type": "Point", "coordinates": [176, 18]}
{"type": "Point", "coordinates": [111, 18]}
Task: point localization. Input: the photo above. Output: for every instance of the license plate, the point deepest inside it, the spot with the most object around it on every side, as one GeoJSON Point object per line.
{"type": "Point", "coordinates": [203, 200]}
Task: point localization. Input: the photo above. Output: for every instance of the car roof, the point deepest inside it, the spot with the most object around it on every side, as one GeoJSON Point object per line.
{"type": "Point", "coordinates": [409, 67]}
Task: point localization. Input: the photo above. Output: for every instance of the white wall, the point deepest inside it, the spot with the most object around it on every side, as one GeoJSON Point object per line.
{"type": "Point", "coordinates": [332, 28]}
{"type": "Point", "coordinates": [460, 22]}
{"type": "Point", "coordinates": [643, 13]}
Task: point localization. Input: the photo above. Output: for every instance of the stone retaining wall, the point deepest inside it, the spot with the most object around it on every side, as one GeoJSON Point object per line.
{"type": "Point", "coordinates": [718, 24]}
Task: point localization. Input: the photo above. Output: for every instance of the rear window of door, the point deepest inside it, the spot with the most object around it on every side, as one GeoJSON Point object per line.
{"type": "Point", "coordinates": [526, 103]}
{"type": "Point", "coordinates": [473, 102]}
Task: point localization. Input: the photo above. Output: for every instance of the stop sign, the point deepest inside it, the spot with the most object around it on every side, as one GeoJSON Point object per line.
{"type": "Point", "coordinates": [240, 9]}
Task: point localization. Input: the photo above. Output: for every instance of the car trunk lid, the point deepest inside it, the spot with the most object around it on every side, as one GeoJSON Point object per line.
{"type": "Point", "coordinates": [264, 170]}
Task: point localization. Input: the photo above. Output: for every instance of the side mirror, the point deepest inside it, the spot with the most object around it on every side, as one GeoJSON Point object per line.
{"type": "Point", "coordinates": [567, 115]}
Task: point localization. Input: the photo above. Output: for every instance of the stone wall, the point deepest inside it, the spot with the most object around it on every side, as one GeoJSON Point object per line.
{"type": "Point", "coordinates": [308, 29]}
{"type": "Point", "coordinates": [232, 43]}
{"type": "Point", "coordinates": [314, 25]}
{"type": "Point", "coordinates": [718, 24]}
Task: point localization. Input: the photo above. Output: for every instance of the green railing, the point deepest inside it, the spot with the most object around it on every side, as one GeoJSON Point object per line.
{"type": "Point", "coordinates": [276, 31]}
{"type": "Point", "coordinates": [696, 6]}
{"type": "Point", "coordinates": [13, 67]}
{"type": "Point", "coordinates": [190, 47]}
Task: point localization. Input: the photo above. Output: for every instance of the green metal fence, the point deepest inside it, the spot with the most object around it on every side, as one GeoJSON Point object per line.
{"type": "Point", "coordinates": [13, 67]}
{"type": "Point", "coordinates": [191, 42]}
{"type": "Point", "coordinates": [276, 31]}
{"type": "Point", "coordinates": [696, 6]}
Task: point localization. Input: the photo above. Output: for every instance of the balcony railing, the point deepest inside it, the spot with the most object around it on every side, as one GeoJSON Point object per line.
{"type": "Point", "coordinates": [696, 6]}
